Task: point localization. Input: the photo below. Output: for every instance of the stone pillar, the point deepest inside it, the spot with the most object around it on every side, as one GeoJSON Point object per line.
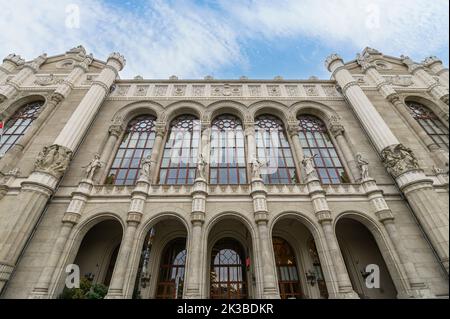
{"type": "Point", "coordinates": [72, 133]}
{"type": "Point", "coordinates": [11, 88]}
{"type": "Point", "coordinates": [435, 89]}
{"type": "Point", "coordinates": [138, 198]}
{"type": "Point", "coordinates": [388, 92]}
{"type": "Point", "coordinates": [399, 161]}
{"type": "Point", "coordinates": [338, 131]}
{"type": "Point", "coordinates": [417, 287]}
{"type": "Point", "coordinates": [193, 276]}
{"type": "Point", "coordinates": [323, 215]}
{"type": "Point", "coordinates": [293, 130]}
{"type": "Point", "coordinates": [251, 144]}
{"type": "Point", "coordinates": [52, 163]}
{"type": "Point", "coordinates": [61, 92]}
{"type": "Point", "coordinates": [10, 63]}
{"type": "Point", "coordinates": [436, 66]}
{"type": "Point", "coordinates": [70, 219]}
{"type": "Point", "coordinates": [157, 148]}
{"type": "Point", "coordinates": [115, 131]}
{"type": "Point", "coordinates": [265, 249]}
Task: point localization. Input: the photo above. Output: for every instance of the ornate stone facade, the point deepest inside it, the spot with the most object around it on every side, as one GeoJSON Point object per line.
{"type": "Point", "coordinates": [315, 217]}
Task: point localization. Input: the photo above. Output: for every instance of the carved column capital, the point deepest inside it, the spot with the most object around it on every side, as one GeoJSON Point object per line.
{"type": "Point", "coordinates": [115, 130]}
{"type": "Point", "coordinates": [53, 160]}
{"type": "Point", "coordinates": [399, 159]}
{"type": "Point", "coordinates": [337, 129]}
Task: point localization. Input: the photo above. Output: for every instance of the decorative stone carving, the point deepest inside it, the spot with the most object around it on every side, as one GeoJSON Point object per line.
{"type": "Point", "coordinates": [399, 159]}
{"type": "Point", "coordinates": [256, 168]}
{"type": "Point", "coordinates": [93, 166]}
{"type": "Point", "coordinates": [48, 80]}
{"type": "Point", "coordinates": [179, 90]}
{"type": "Point", "coordinates": [273, 90]}
{"type": "Point", "coordinates": [201, 167]}
{"type": "Point", "coordinates": [255, 90]}
{"type": "Point", "coordinates": [308, 165]}
{"type": "Point", "coordinates": [146, 169]}
{"type": "Point", "coordinates": [330, 59]}
{"type": "Point", "coordinates": [363, 166]}
{"type": "Point", "coordinates": [14, 58]}
{"type": "Point", "coordinates": [141, 90]}
{"type": "Point", "coordinates": [66, 64]}
{"type": "Point", "coordinates": [198, 90]}
{"type": "Point", "coordinates": [119, 58]}
{"type": "Point", "coordinates": [330, 90]}
{"type": "Point", "coordinates": [363, 61]}
{"type": "Point", "coordinates": [160, 90]}
{"type": "Point", "coordinates": [292, 90]}
{"type": "Point", "coordinates": [382, 65]}
{"type": "Point", "coordinates": [53, 159]}
{"type": "Point", "coordinates": [78, 50]}
{"type": "Point", "coordinates": [123, 90]}
{"type": "Point", "coordinates": [226, 90]}
{"type": "Point", "coordinates": [36, 63]}
{"type": "Point", "coordinates": [401, 81]}
{"type": "Point", "coordinates": [311, 90]}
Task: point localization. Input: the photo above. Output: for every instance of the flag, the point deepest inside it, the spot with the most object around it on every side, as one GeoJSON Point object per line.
{"type": "Point", "coordinates": [1, 128]}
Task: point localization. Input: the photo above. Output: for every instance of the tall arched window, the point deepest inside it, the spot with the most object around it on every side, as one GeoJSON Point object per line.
{"type": "Point", "coordinates": [171, 272]}
{"type": "Point", "coordinates": [227, 161]}
{"type": "Point", "coordinates": [137, 144]}
{"type": "Point", "coordinates": [228, 273]}
{"type": "Point", "coordinates": [274, 151]}
{"type": "Point", "coordinates": [180, 156]}
{"type": "Point", "coordinates": [288, 279]}
{"type": "Point", "coordinates": [17, 125]}
{"type": "Point", "coordinates": [430, 123]}
{"type": "Point", "coordinates": [315, 140]}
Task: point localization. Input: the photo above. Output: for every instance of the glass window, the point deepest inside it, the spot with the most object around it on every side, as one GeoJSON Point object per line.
{"type": "Point", "coordinates": [227, 151]}
{"type": "Point", "coordinates": [273, 151]}
{"type": "Point", "coordinates": [137, 143]}
{"type": "Point", "coordinates": [315, 140]}
{"type": "Point", "coordinates": [17, 125]}
{"type": "Point", "coordinates": [171, 271]}
{"type": "Point", "coordinates": [430, 123]}
{"type": "Point", "coordinates": [180, 152]}
{"type": "Point", "coordinates": [288, 280]}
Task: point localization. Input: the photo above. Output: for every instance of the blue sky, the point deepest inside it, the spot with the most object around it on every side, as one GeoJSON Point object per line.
{"type": "Point", "coordinates": [226, 38]}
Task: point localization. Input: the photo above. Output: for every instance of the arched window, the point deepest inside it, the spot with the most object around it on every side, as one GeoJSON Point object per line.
{"type": "Point", "coordinates": [315, 140]}
{"type": "Point", "coordinates": [17, 125]}
{"type": "Point", "coordinates": [137, 144]}
{"type": "Point", "coordinates": [288, 279]}
{"type": "Point", "coordinates": [274, 151]}
{"type": "Point", "coordinates": [228, 273]}
{"type": "Point", "coordinates": [171, 272]}
{"type": "Point", "coordinates": [227, 162]}
{"type": "Point", "coordinates": [430, 123]}
{"type": "Point", "coordinates": [180, 156]}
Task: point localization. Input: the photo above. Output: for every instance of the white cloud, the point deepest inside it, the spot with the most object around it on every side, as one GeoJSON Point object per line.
{"type": "Point", "coordinates": [190, 40]}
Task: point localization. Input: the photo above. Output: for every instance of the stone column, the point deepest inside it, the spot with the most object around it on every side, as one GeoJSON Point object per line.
{"type": "Point", "coordinates": [70, 219]}
{"type": "Point", "coordinates": [157, 148]}
{"type": "Point", "coordinates": [138, 198]}
{"type": "Point", "coordinates": [399, 161]}
{"type": "Point", "coordinates": [323, 215]}
{"type": "Point", "coordinates": [435, 65]}
{"type": "Point", "coordinates": [388, 92]}
{"type": "Point", "coordinates": [60, 94]}
{"type": "Point", "coordinates": [10, 63]}
{"type": "Point", "coordinates": [338, 131]}
{"type": "Point", "coordinates": [435, 89]}
{"type": "Point", "coordinates": [11, 88]}
{"type": "Point", "coordinates": [417, 287]}
{"type": "Point", "coordinates": [52, 163]}
{"type": "Point", "coordinates": [293, 130]}
{"type": "Point", "coordinates": [249, 131]}
{"type": "Point", "coordinates": [194, 269]}
{"type": "Point", "coordinates": [115, 131]}
{"type": "Point", "coordinates": [265, 249]}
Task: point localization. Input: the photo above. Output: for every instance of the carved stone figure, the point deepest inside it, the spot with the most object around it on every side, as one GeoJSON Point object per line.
{"type": "Point", "coordinates": [92, 167]}
{"type": "Point", "coordinates": [256, 168]}
{"type": "Point", "coordinates": [53, 160]}
{"type": "Point", "coordinates": [399, 159]}
{"type": "Point", "coordinates": [363, 166]}
{"type": "Point", "coordinates": [201, 167]}
{"type": "Point", "coordinates": [308, 165]}
{"type": "Point", "coordinates": [146, 169]}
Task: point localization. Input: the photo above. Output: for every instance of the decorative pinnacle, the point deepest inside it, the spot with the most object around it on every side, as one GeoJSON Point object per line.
{"type": "Point", "coordinates": [330, 59]}
{"type": "Point", "coordinates": [431, 60]}
{"type": "Point", "coordinates": [119, 58]}
{"type": "Point", "coordinates": [14, 58]}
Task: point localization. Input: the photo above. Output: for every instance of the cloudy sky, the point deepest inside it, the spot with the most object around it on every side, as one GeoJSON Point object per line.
{"type": "Point", "coordinates": [225, 38]}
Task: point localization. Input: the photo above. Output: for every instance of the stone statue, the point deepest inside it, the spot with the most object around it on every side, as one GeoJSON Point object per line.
{"type": "Point", "coordinates": [308, 165]}
{"type": "Point", "coordinates": [363, 166]}
{"type": "Point", "coordinates": [146, 169]}
{"type": "Point", "coordinates": [92, 167]}
{"type": "Point", "coordinates": [256, 168]}
{"type": "Point", "coordinates": [201, 167]}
